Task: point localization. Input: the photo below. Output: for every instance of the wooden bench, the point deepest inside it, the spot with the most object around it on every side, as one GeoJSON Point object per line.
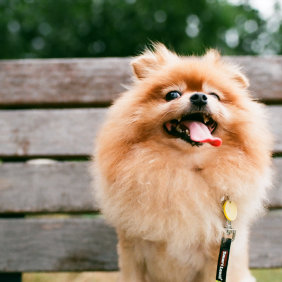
{"type": "Point", "coordinates": [52, 109]}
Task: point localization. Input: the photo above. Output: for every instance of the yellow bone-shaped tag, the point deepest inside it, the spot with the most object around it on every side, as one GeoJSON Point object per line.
{"type": "Point", "coordinates": [230, 210]}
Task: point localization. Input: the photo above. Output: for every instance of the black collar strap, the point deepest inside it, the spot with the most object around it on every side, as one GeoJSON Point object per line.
{"type": "Point", "coordinates": [230, 212]}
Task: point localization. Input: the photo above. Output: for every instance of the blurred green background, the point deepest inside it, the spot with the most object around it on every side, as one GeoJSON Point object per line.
{"type": "Point", "coordinates": [102, 28]}
{"type": "Point", "coordinates": [107, 28]}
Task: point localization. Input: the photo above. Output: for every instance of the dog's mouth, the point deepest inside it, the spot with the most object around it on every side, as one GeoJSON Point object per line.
{"type": "Point", "coordinates": [195, 128]}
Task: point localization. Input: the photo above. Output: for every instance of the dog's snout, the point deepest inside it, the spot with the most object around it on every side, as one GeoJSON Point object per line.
{"type": "Point", "coordinates": [199, 99]}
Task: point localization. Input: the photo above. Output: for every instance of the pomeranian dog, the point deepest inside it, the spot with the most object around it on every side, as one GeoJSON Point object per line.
{"type": "Point", "coordinates": [185, 137]}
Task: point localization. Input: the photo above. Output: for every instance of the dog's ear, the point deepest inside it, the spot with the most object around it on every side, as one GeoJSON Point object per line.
{"type": "Point", "coordinates": [212, 55]}
{"type": "Point", "coordinates": [242, 79]}
{"type": "Point", "coordinates": [151, 61]}
{"type": "Point", "coordinates": [237, 75]}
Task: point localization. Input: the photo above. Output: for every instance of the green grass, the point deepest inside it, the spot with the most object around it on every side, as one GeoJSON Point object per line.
{"type": "Point", "coordinates": [71, 277]}
{"type": "Point", "coordinates": [262, 275]}
{"type": "Point", "coordinates": [268, 275]}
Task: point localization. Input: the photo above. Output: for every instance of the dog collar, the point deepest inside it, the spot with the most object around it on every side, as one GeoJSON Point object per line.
{"type": "Point", "coordinates": [230, 213]}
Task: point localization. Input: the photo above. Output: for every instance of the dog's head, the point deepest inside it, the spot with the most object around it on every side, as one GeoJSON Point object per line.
{"type": "Point", "coordinates": [183, 104]}
{"type": "Point", "coordinates": [193, 99]}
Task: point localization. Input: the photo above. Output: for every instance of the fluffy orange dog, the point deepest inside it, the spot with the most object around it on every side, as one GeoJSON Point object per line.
{"type": "Point", "coordinates": [183, 138]}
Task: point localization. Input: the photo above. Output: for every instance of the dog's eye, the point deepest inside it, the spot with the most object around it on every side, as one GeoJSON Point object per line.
{"type": "Point", "coordinates": [215, 95]}
{"type": "Point", "coordinates": [172, 95]}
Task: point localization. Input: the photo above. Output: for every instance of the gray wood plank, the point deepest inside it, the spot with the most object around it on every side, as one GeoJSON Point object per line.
{"type": "Point", "coordinates": [78, 244]}
{"type": "Point", "coordinates": [266, 241]}
{"type": "Point", "coordinates": [49, 132]}
{"type": "Point", "coordinates": [265, 75]}
{"type": "Point", "coordinates": [66, 187]}
{"type": "Point", "coordinates": [63, 81]}
{"type": "Point", "coordinates": [275, 195]}
{"type": "Point", "coordinates": [69, 132]}
{"type": "Point", "coordinates": [275, 122]}
{"type": "Point", "coordinates": [59, 187]}
{"type": "Point", "coordinates": [99, 81]}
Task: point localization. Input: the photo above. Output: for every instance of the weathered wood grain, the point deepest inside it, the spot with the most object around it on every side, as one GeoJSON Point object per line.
{"type": "Point", "coordinates": [64, 187]}
{"type": "Point", "coordinates": [78, 244]}
{"type": "Point", "coordinates": [49, 132]}
{"type": "Point", "coordinates": [275, 122]}
{"type": "Point", "coordinates": [63, 81]}
{"type": "Point", "coordinates": [264, 74]}
{"type": "Point", "coordinates": [99, 81]}
{"type": "Point", "coordinates": [59, 187]}
{"type": "Point", "coordinates": [266, 241]}
{"type": "Point", "coordinates": [275, 195]}
{"type": "Point", "coordinates": [69, 132]}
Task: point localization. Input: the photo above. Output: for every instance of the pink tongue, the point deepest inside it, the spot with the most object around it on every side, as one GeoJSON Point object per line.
{"type": "Point", "coordinates": [199, 132]}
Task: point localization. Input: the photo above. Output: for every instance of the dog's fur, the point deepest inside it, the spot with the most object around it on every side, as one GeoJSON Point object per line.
{"type": "Point", "coordinates": [163, 195]}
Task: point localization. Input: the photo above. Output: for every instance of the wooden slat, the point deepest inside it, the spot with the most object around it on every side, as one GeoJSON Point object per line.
{"type": "Point", "coordinates": [99, 81]}
{"type": "Point", "coordinates": [275, 122]}
{"type": "Point", "coordinates": [62, 81]}
{"type": "Point", "coordinates": [275, 196]}
{"type": "Point", "coordinates": [49, 132]}
{"type": "Point", "coordinates": [87, 244]}
{"type": "Point", "coordinates": [75, 244]}
{"type": "Point", "coordinates": [66, 187]}
{"type": "Point", "coordinates": [266, 241]}
{"type": "Point", "coordinates": [59, 187]}
{"type": "Point", "coordinates": [265, 75]}
{"type": "Point", "coordinates": [69, 132]}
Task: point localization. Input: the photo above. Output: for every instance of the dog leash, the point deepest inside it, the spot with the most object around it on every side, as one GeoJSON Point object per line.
{"type": "Point", "coordinates": [230, 212]}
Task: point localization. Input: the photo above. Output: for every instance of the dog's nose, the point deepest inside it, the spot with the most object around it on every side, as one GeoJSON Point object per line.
{"type": "Point", "coordinates": [199, 99]}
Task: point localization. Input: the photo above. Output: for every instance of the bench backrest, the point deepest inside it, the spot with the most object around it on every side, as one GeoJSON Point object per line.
{"type": "Point", "coordinates": [52, 109]}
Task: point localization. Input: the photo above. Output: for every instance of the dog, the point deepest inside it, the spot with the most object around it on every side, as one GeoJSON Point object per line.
{"type": "Point", "coordinates": [185, 137]}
